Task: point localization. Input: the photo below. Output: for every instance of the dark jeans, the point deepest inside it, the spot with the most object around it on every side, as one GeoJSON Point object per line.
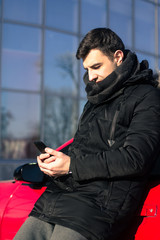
{"type": "Point", "coordinates": [35, 229]}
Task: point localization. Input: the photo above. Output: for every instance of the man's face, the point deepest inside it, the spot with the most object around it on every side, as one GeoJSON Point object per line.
{"type": "Point", "coordinates": [98, 65]}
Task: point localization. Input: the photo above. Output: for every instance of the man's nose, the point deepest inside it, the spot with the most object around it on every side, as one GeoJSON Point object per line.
{"type": "Point", "coordinates": [92, 75]}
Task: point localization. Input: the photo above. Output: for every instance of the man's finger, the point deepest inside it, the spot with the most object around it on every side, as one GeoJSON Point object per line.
{"type": "Point", "coordinates": [52, 151]}
{"type": "Point", "coordinates": [44, 156]}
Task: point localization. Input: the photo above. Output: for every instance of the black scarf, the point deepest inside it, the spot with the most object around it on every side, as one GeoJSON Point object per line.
{"type": "Point", "coordinates": [130, 72]}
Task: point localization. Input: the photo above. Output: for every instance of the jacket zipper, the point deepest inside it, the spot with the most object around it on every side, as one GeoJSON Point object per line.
{"type": "Point", "coordinates": [111, 140]}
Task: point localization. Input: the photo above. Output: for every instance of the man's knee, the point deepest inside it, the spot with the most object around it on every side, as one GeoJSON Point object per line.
{"type": "Point", "coordinates": [34, 228]}
{"type": "Point", "coordinates": [61, 233]}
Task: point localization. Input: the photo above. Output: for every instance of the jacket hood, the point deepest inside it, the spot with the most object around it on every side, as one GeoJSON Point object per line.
{"type": "Point", "coordinates": [130, 72]}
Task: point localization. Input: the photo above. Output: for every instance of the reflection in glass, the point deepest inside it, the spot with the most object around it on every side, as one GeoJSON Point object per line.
{"type": "Point", "coordinates": [93, 14]}
{"type": "Point", "coordinates": [61, 83]}
{"type": "Point", "coordinates": [121, 19]}
{"type": "Point", "coordinates": [20, 124]}
{"type": "Point", "coordinates": [144, 26]}
{"type": "Point", "coordinates": [21, 65]}
{"type": "Point", "coordinates": [60, 63]}
{"type": "Point", "coordinates": [62, 14]}
{"type": "Point", "coordinates": [59, 119]}
{"type": "Point", "coordinates": [23, 10]}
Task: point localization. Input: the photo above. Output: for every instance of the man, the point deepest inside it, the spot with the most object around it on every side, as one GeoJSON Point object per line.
{"type": "Point", "coordinates": [99, 185]}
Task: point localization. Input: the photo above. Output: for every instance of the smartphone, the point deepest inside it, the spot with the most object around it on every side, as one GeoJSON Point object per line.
{"type": "Point", "coordinates": [40, 145]}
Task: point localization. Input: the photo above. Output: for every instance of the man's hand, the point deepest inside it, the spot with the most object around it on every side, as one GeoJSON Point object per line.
{"type": "Point", "coordinates": [53, 163]}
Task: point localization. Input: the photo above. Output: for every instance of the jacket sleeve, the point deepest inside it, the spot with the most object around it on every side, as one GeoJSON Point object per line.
{"type": "Point", "coordinates": [138, 153]}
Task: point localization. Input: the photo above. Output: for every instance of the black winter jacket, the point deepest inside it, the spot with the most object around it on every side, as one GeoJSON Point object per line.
{"type": "Point", "coordinates": [114, 149]}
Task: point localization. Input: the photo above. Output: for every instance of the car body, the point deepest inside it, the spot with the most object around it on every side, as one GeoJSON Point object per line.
{"type": "Point", "coordinates": [17, 198]}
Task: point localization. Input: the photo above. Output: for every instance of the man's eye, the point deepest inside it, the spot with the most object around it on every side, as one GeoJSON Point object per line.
{"type": "Point", "coordinates": [96, 67]}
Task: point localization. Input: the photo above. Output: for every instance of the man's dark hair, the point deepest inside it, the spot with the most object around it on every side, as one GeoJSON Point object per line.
{"type": "Point", "coordinates": [103, 39]}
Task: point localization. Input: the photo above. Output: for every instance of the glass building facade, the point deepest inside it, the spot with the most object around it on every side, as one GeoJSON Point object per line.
{"type": "Point", "coordinates": [41, 88]}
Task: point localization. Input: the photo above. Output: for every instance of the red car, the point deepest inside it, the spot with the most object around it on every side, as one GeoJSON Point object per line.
{"type": "Point", "coordinates": [18, 196]}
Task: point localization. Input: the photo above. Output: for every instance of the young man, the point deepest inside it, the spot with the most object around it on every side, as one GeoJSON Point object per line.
{"type": "Point", "coordinates": [114, 149]}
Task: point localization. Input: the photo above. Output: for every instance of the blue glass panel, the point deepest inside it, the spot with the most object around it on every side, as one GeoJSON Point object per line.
{"type": "Point", "coordinates": [60, 63]}
{"type": "Point", "coordinates": [121, 19]}
{"type": "Point", "coordinates": [159, 29]}
{"type": "Point", "coordinates": [23, 10]}
{"type": "Point", "coordinates": [82, 104]}
{"type": "Point", "coordinates": [82, 89]}
{"type": "Point", "coordinates": [20, 124]}
{"type": "Point", "coordinates": [93, 14]}
{"type": "Point", "coordinates": [21, 64]}
{"type": "Point", "coordinates": [21, 38]}
{"type": "Point", "coordinates": [0, 9]}
{"type": "Point", "coordinates": [144, 26]}
{"type": "Point", "coordinates": [62, 14]}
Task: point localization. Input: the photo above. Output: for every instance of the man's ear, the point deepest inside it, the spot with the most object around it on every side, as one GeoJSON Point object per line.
{"type": "Point", "coordinates": [118, 57]}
